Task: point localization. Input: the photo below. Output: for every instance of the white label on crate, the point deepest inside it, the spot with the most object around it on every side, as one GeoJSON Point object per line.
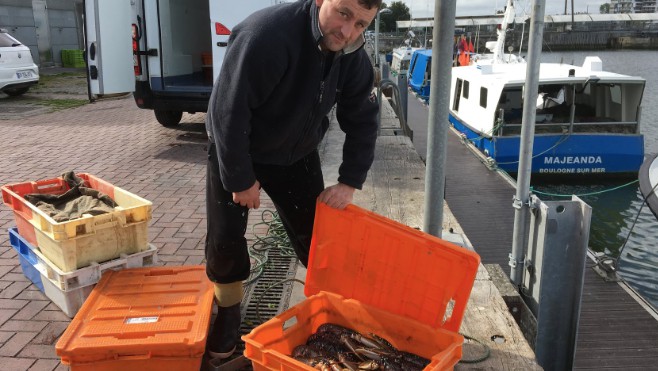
{"type": "Point", "coordinates": [131, 321]}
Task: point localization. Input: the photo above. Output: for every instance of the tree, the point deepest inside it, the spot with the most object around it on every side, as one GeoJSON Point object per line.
{"type": "Point", "coordinates": [399, 12]}
{"type": "Point", "coordinates": [387, 21]}
{"type": "Point", "coordinates": [604, 8]}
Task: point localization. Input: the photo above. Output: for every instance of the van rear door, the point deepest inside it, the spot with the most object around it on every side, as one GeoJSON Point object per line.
{"type": "Point", "coordinates": [224, 15]}
{"type": "Point", "coordinates": [108, 47]}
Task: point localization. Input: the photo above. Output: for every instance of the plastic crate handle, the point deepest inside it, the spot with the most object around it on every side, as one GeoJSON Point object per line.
{"type": "Point", "coordinates": [133, 357]}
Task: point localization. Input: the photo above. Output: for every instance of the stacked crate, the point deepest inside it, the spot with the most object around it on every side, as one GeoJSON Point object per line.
{"type": "Point", "coordinates": [73, 58]}
{"type": "Point", "coordinates": [66, 259]}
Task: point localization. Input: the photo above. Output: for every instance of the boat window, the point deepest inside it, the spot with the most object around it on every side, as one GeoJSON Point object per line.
{"type": "Point", "coordinates": [511, 102]}
{"type": "Point", "coordinates": [465, 90]}
{"type": "Point", "coordinates": [483, 97]}
{"type": "Point", "coordinates": [404, 65]}
{"type": "Point", "coordinates": [413, 64]}
{"type": "Point", "coordinates": [458, 93]}
{"type": "Point", "coordinates": [615, 94]}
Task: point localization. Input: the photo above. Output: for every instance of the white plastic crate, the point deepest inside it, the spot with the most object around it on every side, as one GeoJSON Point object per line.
{"type": "Point", "coordinates": [70, 301]}
{"type": "Point", "coordinates": [92, 274]}
{"type": "Point", "coordinates": [70, 290]}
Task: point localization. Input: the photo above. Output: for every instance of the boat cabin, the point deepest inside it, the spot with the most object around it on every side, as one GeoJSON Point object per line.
{"type": "Point", "coordinates": [583, 99]}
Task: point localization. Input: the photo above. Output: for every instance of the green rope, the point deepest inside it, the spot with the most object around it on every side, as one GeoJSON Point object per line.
{"type": "Point", "coordinates": [583, 194]}
{"type": "Point", "coordinates": [499, 124]}
{"type": "Point", "coordinates": [276, 238]}
{"type": "Point", "coordinates": [562, 139]}
{"type": "Point", "coordinates": [260, 297]}
{"type": "Point", "coordinates": [487, 351]}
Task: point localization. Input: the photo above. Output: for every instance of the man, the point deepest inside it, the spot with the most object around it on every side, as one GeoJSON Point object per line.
{"type": "Point", "coordinates": [285, 68]}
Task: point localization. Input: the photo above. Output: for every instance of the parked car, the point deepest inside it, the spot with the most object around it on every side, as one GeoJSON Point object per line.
{"type": "Point", "coordinates": [17, 69]}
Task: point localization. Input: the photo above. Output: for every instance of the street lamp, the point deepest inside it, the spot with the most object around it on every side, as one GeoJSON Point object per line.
{"type": "Point", "coordinates": [379, 89]}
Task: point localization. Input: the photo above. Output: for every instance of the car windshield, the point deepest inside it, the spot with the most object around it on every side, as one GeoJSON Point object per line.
{"type": "Point", "coordinates": [7, 41]}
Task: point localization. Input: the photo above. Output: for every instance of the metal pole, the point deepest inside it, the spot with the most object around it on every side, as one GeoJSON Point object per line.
{"type": "Point", "coordinates": [522, 198]}
{"type": "Point", "coordinates": [437, 131]}
{"type": "Point", "coordinates": [404, 93]}
{"type": "Point", "coordinates": [381, 76]}
{"type": "Point", "coordinates": [379, 90]}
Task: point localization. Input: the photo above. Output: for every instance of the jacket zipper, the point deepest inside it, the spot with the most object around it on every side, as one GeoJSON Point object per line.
{"type": "Point", "coordinates": [311, 115]}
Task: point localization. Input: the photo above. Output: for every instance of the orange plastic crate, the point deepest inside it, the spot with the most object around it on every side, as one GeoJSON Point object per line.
{"type": "Point", "coordinates": [142, 319]}
{"type": "Point", "coordinates": [372, 274]}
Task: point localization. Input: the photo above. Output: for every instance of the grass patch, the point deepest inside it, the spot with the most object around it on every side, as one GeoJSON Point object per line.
{"type": "Point", "coordinates": [47, 81]}
{"type": "Point", "coordinates": [59, 104]}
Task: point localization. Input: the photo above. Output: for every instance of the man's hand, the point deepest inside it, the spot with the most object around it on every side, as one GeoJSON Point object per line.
{"type": "Point", "coordinates": [337, 196]}
{"type": "Point", "coordinates": [249, 198]}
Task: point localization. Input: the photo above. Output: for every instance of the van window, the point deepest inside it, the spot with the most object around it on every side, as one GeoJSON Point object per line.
{"type": "Point", "coordinates": [483, 97]}
{"type": "Point", "coordinates": [465, 91]}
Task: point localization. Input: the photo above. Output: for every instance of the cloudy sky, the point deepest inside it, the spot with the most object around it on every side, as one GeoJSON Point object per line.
{"type": "Point", "coordinates": [424, 8]}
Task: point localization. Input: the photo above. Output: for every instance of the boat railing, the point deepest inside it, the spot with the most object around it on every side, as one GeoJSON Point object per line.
{"type": "Point", "coordinates": [397, 106]}
{"type": "Point", "coordinates": [616, 127]}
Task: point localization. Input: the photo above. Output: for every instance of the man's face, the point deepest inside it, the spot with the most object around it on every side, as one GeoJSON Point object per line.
{"type": "Point", "coordinates": [342, 22]}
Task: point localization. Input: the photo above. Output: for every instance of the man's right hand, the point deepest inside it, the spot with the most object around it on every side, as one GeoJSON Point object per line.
{"type": "Point", "coordinates": [249, 198]}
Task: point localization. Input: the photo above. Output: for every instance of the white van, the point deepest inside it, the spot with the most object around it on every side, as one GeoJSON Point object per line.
{"type": "Point", "coordinates": [167, 52]}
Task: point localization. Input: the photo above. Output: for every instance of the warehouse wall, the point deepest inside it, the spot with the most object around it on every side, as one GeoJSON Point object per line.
{"type": "Point", "coordinates": [47, 32]}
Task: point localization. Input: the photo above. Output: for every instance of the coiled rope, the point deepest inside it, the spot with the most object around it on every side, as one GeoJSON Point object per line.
{"type": "Point", "coordinates": [276, 238]}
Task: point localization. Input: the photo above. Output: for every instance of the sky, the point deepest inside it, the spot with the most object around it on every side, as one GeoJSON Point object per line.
{"type": "Point", "coordinates": [425, 8]}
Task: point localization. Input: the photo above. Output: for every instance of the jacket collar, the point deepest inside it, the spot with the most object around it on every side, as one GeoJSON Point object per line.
{"type": "Point", "coordinates": [317, 32]}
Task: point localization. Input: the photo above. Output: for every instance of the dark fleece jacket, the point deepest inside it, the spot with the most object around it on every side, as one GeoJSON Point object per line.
{"type": "Point", "coordinates": [270, 103]}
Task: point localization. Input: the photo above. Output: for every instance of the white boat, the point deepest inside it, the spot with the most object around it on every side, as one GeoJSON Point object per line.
{"type": "Point", "coordinates": [401, 56]}
{"type": "Point", "coordinates": [648, 177]}
{"type": "Point", "coordinates": [401, 59]}
{"type": "Point", "coordinates": [587, 119]}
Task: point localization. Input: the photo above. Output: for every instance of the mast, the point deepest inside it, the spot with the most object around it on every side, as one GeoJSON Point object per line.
{"type": "Point", "coordinates": [508, 17]}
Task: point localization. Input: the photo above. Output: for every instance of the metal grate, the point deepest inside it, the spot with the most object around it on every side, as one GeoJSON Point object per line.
{"type": "Point", "coordinates": [268, 303]}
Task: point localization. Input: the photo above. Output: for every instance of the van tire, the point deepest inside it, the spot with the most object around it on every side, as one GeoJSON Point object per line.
{"type": "Point", "coordinates": [168, 118]}
{"type": "Point", "coordinates": [16, 91]}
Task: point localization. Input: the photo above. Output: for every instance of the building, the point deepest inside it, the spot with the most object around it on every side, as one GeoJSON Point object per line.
{"type": "Point", "coordinates": [633, 6]}
{"type": "Point", "coordinates": [645, 6]}
{"type": "Point", "coordinates": [621, 6]}
{"type": "Point", "coordinates": [45, 26]}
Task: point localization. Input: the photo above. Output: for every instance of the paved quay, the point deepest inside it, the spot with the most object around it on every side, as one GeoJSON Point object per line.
{"type": "Point", "coordinates": [125, 146]}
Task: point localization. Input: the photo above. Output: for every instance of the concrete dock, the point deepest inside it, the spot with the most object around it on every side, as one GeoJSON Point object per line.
{"type": "Point", "coordinates": [125, 146]}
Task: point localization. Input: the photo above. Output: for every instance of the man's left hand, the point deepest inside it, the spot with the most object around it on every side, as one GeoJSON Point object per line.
{"type": "Point", "coordinates": [337, 196]}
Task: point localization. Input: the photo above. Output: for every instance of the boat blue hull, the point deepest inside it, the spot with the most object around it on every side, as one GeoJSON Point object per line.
{"type": "Point", "coordinates": [580, 154]}
{"type": "Point", "coordinates": [420, 63]}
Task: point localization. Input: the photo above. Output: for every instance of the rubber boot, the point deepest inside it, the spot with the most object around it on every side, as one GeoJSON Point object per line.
{"type": "Point", "coordinates": [225, 332]}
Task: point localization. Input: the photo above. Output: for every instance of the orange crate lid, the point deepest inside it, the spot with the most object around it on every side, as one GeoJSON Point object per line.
{"type": "Point", "coordinates": [377, 261]}
{"type": "Point", "coordinates": [148, 312]}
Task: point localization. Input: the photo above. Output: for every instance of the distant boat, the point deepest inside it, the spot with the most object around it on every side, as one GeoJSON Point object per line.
{"type": "Point", "coordinates": [401, 58]}
{"type": "Point", "coordinates": [420, 73]}
{"type": "Point", "coordinates": [648, 177]}
{"type": "Point", "coordinates": [587, 119]}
